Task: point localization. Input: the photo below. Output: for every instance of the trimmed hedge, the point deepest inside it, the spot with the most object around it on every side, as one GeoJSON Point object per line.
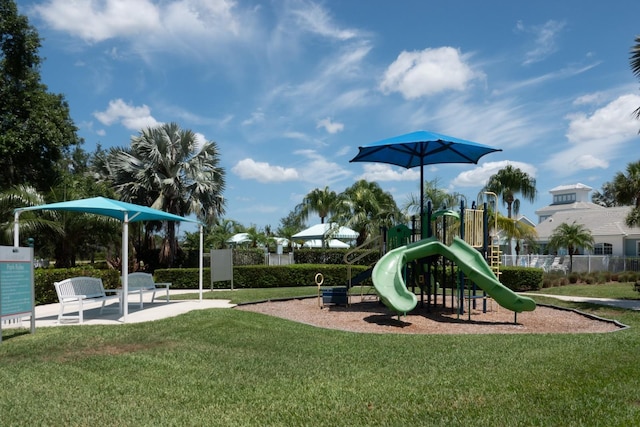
{"type": "Point", "coordinates": [262, 276]}
{"type": "Point", "coordinates": [521, 279]}
{"type": "Point", "coordinates": [334, 256]}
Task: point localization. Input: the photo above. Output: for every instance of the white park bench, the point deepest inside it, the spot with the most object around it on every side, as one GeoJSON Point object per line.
{"type": "Point", "coordinates": [142, 283]}
{"type": "Point", "coordinates": [81, 290]}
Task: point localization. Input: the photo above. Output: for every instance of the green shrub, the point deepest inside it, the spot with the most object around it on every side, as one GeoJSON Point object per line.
{"type": "Point", "coordinates": [262, 276]}
{"type": "Point", "coordinates": [334, 256]}
{"type": "Point", "coordinates": [521, 278]}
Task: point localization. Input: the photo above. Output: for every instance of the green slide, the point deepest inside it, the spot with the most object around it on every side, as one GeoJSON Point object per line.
{"type": "Point", "coordinates": [388, 281]}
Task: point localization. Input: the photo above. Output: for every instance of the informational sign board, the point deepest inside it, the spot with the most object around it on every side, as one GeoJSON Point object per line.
{"type": "Point", "coordinates": [221, 266]}
{"type": "Point", "coordinates": [17, 296]}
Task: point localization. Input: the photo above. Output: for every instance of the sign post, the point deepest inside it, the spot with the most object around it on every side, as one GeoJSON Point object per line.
{"type": "Point", "coordinates": [221, 266]}
{"type": "Point", "coordinates": [17, 296]}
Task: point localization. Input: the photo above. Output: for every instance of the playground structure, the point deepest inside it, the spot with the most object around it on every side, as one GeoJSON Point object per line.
{"type": "Point", "coordinates": [446, 250]}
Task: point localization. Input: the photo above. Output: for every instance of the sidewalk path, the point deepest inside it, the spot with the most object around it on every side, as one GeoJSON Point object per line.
{"type": "Point", "coordinates": [628, 304]}
{"type": "Point", "coordinates": [47, 315]}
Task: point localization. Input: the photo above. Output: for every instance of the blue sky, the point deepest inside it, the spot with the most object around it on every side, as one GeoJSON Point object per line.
{"type": "Point", "coordinates": [290, 88]}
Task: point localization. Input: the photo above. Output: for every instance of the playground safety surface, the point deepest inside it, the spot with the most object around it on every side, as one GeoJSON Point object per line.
{"type": "Point", "coordinates": [370, 316]}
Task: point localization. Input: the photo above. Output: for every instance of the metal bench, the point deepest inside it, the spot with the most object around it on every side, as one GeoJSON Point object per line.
{"type": "Point", "coordinates": [142, 283]}
{"type": "Point", "coordinates": [80, 290]}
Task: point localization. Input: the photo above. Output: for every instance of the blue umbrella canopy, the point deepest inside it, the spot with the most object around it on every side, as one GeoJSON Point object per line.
{"type": "Point", "coordinates": [422, 148]}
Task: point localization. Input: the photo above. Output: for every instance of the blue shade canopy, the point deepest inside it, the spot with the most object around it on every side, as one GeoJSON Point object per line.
{"type": "Point", "coordinates": [111, 208]}
{"type": "Point", "coordinates": [422, 148]}
{"type": "Point", "coordinates": [123, 211]}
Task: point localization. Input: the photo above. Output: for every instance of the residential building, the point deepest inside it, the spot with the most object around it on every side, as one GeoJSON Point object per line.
{"type": "Point", "coordinates": [607, 225]}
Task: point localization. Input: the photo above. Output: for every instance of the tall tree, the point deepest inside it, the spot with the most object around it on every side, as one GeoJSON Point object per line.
{"type": "Point", "coordinates": [509, 182]}
{"type": "Point", "coordinates": [606, 197]}
{"type": "Point", "coordinates": [434, 193]}
{"type": "Point", "coordinates": [35, 126]}
{"type": "Point", "coordinates": [168, 169]}
{"type": "Point", "coordinates": [365, 207]}
{"type": "Point", "coordinates": [626, 190]}
{"type": "Point", "coordinates": [635, 65]}
{"type": "Point", "coordinates": [572, 237]}
{"type": "Point", "coordinates": [324, 202]}
{"type": "Point", "coordinates": [30, 223]}
{"type": "Point", "coordinates": [290, 225]}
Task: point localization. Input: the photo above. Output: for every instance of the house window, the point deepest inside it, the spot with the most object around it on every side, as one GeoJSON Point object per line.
{"type": "Point", "coordinates": [603, 249]}
{"type": "Point", "coordinates": [562, 199]}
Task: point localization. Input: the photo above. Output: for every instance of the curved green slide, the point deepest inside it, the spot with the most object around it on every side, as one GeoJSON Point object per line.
{"type": "Point", "coordinates": [388, 280]}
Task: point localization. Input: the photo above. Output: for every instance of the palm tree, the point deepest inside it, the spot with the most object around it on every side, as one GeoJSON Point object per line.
{"type": "Point", "coordinates": [626, 190]}
{"type": "Point", "coordinates": [433, 192]}
{"type": "Point", "coordinates": [518, 231]}
{"type": "Point", "coordinates": [635, 65]}
{"type": "Point", "coordinates": [23, 196]}
{"type": "Point", "coordinates": [323, 202]}
{"type": "Point", "coordinates": [606, 198]}
{"type": "Point", "coordinates": [365, 207]}
{"type": "Point", "coordinates": [290, 225]}
{"type": "Point", "coordinates": [168, 169]}
{"type": "Point", "coordinates": [571, 236]}
{"type": "Point", "coordinates": [507, 183]}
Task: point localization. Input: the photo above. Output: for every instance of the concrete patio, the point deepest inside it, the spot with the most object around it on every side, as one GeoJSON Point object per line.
{"type": "Point", "coordinates": [47, 315]}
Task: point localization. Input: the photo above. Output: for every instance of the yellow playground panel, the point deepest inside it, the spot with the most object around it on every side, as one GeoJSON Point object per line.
{"type": "Point", "coordinates": [474, 227]}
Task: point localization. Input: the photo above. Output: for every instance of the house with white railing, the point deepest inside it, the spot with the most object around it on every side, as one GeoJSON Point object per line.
{"type": "Point", "coordinates": [617, 246]}
{"type": "Point", "coordinates": [607, 225]}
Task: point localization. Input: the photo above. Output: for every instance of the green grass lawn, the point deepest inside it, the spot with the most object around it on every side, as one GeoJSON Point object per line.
{"type": "Point", "coordinates": [607, 290]}
{"type": "Point", "coordinates": [230, 367]}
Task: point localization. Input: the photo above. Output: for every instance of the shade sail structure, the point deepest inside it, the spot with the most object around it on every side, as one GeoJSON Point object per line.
{"type": "Point", "coordinates": [422, 148]}
{"type": "Point", "coordinates": [111, 208]}
{"type": "Point", "coordinates": [331, 243]}
{"type": "Point", "coordinates": [326, 231]}
{"type": "Point", "coordinates": [122, 211]}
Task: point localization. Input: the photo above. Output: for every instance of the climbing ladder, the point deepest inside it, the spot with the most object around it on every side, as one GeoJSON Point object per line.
{"type": "Point", "coordinates": [494, 259]}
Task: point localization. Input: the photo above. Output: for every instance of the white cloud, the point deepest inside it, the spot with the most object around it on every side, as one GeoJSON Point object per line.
{"type": "Point", "coordinates": [173, 25]}
{"type": "Point", "coordinates": [478, 176]}
{"type": "Point", "coordinates": [318, 170]}
{"type": "Point", "coordinates": [330, 126]}
{"type": "Point", "coordinates": [296, 135]}
{"type": "Point", "coordinates": [427, 72]}
{"type": "Point", "coordinates": [97, 21]}
{"type": "Point", "coordinates": [613, 122]}
{"type": "Point", "coordinates": [264, 172]}
{"type": "Point", "coordinates": [382, 172]}
{"type": "Point", "coordinates": [595, 139]}
{"type": "Point", "coordinates": [131, 117]}
{"type": "Point", "coordinates": [545, 40]}
{"type": "Point", "coordinates": [256, 117]}
{"type": "Point", "coordinates": [315, 19]}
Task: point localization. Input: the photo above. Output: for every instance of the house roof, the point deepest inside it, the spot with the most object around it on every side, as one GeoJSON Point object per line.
{"type": "Point", "coordinates": [577, 186]}
{"type": "Point", "coordinates": [601, 222]}
{"type": "Point", "coordinates": [569, 206]}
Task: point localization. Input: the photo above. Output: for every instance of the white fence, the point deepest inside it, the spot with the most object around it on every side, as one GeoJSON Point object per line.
{"type": "Point", "coordinates": [581, 263]}
{"type": "Point", "coordinates": [279, 259]}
